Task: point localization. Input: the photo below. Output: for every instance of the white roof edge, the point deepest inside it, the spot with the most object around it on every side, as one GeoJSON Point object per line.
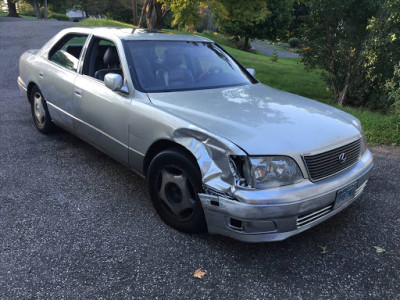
{"type": "Point", "coordinates": [126, 33]}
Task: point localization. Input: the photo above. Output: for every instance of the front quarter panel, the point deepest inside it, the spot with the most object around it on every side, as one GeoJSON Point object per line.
{"type": "Point", "coordinates": [150, 124]}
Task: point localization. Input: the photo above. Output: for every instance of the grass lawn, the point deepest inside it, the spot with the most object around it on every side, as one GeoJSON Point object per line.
{"type": "Point", "coordinates": [289, 74]}
{"type": "Point", "coordinates": [102, 22]}
{"type": "Point", "coordinates": [4, 14]}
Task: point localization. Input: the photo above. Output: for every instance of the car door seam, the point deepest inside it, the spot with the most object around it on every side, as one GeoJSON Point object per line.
{"type": "Point", "coordinates": [91, 126]}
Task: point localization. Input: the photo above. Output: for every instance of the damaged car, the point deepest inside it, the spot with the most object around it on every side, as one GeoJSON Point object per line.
{"type": "Point", "coordinates": [221, 151]}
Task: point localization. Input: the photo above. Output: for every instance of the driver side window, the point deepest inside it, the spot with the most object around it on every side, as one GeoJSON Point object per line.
{"type": "Point", "coordinates": [102, 58]}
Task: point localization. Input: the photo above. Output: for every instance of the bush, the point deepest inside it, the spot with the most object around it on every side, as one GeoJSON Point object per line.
{"type": "Point", "coordinates": [29, 13]}
{"type": "Point", "coordinates": [294, 43]}
{"type": "Point", "coordinates": [274, 57]}
{"type": "Point", "coordinates": [393, 88]}
{"type": "Point", "coordinates": [59, 17]}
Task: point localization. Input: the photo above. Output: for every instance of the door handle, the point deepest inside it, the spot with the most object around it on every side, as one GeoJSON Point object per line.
{"type": "Point", "coordinates": [41, 74]}
{"type": "Point", "coordinates": [78, 93]}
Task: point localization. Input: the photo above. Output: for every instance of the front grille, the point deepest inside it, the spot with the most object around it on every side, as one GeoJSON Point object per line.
{"type": "Point", "coordinates": [313, 216]}
{"type": "Point", "coordinates": [327, 163]}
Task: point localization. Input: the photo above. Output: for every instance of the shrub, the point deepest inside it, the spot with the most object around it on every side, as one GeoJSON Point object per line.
{"type": "Point", "coordinates": [393, 88]}
{"type": "Point", "coordinates": [59, 17]}
{"type": "Point", "coordinates": [294, 43]}
{"type": "Point", "coordinates": [29, 13]}
{"type": "Point", "coordinates": [274, 57]}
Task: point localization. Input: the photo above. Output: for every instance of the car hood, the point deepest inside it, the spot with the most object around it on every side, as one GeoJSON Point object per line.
{"type": "Point", "coordinates": [262, 120]}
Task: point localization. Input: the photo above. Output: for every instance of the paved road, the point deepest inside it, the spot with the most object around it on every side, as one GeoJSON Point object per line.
{"type": "Point", "coordinates": [75, 224]}
{"type": "Point", "coordinates": [268, 51]}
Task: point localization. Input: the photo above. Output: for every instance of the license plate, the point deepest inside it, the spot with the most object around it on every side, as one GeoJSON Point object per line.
{"type": "Point", "coordinates": [345, 194]}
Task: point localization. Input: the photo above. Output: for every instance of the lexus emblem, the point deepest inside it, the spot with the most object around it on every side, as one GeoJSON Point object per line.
{"type": "Point", "coordinates": [342, 158]}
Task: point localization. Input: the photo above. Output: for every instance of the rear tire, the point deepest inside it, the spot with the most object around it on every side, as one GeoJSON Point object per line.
{"type": "Point", "coordinates": [174, 181]}
{"type": "Point", "coordinates": [40, 113]}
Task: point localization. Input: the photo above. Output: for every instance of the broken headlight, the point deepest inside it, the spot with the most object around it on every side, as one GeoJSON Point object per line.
{"type": "Point", "coordinates": [274, 171]}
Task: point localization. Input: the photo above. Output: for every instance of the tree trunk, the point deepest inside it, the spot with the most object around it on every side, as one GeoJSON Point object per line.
{"type": "Point", "coordinates": [154, 14]}
{"type": "Point", "coordinates": [36, 7]}
{"type": "Point", "coordinates": [12, 10]}
{"type": "Point", "coordinates": [246, 43]}
{"type": "Point", "coordinates": [134, 9]}
{"type": "Point", "coordinates": [342, 95]}
{"type": "Point", "coordinates": [145, 4]}
{"type": "Point", "coordinates": [45, 10]}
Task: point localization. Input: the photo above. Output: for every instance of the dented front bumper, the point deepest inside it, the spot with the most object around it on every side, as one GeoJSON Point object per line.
{"type": "Point", "coordinates": [276, 214]}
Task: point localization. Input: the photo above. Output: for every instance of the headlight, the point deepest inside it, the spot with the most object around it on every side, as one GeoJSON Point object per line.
{"type": "Point", "coordinates": [357, 123]}
{"type": "Point", "coordinates": [274, 171]}
{"type": "Point", "coordinates": [363, 142]}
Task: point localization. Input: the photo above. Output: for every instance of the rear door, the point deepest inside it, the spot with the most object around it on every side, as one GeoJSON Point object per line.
{"type": "Point", "coordinates": [57, 76]}
{"type": "Point", "coordinates": [102, 115]}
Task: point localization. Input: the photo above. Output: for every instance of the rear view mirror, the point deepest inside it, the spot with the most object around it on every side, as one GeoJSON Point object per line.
{"type": "Point", "coordinates": [252, 72]}
{"type": "Point", "coordinates": [113, 81]}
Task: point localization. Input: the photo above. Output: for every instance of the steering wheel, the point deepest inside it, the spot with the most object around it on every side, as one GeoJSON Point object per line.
{"type": "Point", "coordinates": [210, 72]}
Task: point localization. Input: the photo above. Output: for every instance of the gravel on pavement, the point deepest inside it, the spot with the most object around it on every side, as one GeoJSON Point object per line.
{"type": "Point", "coordinates": [75, 224]}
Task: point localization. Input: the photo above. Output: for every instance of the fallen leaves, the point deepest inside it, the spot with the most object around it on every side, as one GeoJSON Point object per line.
{"type": "Point", "coordinates": [199, 273]}
{"type": "Point", "coordinates": [324, 249]}
{"type": "Point", "coordinates": [379, 249]}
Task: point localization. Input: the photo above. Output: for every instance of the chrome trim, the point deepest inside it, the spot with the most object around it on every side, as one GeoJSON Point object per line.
{"type": "Point", "coordinates": [325, 150]}
{"type": "Point", "coordinates": [360, 189]}
{"type": "Point", "coordinates": [313, 216]}
{"type": "Point", "coordinates": [342, 158]}
{"type": "Point", "coordinates": [21, 84]}
{"type": "Point", "coordinates": [83, 53]}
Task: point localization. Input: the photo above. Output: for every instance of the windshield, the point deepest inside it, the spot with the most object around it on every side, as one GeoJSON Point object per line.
{"type": "Point", "coordinates": [163, 66]}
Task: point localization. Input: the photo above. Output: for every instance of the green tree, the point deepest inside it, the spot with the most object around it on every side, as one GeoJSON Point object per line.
{"type": "Point", "coordinates": [123, 10]}
{"type": "Point", "coordinates": [277, 21]}
{"type": "Point", "coordinates": [335, 35]}
{"type": "Point", "coordinates": [185, 13]}
{"type": "Point", "coordinates": [393, 88]}
{"type": "Point", "coordinates": [300, 11]}
{"type": "Point", "coordinates": [240, 17]}
{"type": "Point", "coordinates": [382, 54]}
{"type": "Point", "coordinates": [266, 19]}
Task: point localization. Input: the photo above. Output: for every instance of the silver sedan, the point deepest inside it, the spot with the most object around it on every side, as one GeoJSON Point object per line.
{"type": "Point", "coordinates": [220, 151]}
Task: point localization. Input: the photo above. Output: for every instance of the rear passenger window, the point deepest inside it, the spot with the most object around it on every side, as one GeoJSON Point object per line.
{"type": "Point", "coordinates": [67, 52]}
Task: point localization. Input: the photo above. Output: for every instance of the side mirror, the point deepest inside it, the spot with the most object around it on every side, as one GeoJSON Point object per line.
{"type": "Point", "coordinates": [252, 72]}
{"type": "Point", "coordinates": [113, 81]}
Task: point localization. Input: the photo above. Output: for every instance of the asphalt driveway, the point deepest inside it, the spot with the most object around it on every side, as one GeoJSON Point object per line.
{"type": "Point", "coordinates": [269, 51]}
{"type": "Point", "coordinates": [74, 224]}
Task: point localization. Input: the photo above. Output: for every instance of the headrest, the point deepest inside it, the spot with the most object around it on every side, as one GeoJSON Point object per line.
{"type": "Point", "coordinates": [173, 57]}
{"type": "Point", "coordinates": [111, 56]}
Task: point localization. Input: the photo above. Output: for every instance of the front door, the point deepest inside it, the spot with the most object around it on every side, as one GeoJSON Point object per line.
{"type": "Point", "coordinates": [102, 115]}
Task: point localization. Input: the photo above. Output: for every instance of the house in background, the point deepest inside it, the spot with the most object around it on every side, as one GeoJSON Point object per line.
{"type": "Point", "coordinates": [76, 15]}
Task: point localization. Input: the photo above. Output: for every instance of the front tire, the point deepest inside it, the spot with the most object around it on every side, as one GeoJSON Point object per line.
{"type": "Point", "coordinates": [174, 181]}
{"type": "Point", "coordinates": [40, 113]}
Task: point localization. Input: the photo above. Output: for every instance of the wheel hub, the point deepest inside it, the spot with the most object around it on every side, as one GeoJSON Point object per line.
{"type": "Point", "coordinates": [173, 193]}
{"type": "Point", "coordinates": [39, 108]}
{"type": "Point", "coordinates": [176, 192]}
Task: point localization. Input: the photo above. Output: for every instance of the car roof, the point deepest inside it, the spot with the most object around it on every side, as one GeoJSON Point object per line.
{"type": "Point", "coordinates": [133, 34]}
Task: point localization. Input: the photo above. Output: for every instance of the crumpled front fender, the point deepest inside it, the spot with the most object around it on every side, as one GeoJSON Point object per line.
{"type": "Point", "coordinates": [212, 155]}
